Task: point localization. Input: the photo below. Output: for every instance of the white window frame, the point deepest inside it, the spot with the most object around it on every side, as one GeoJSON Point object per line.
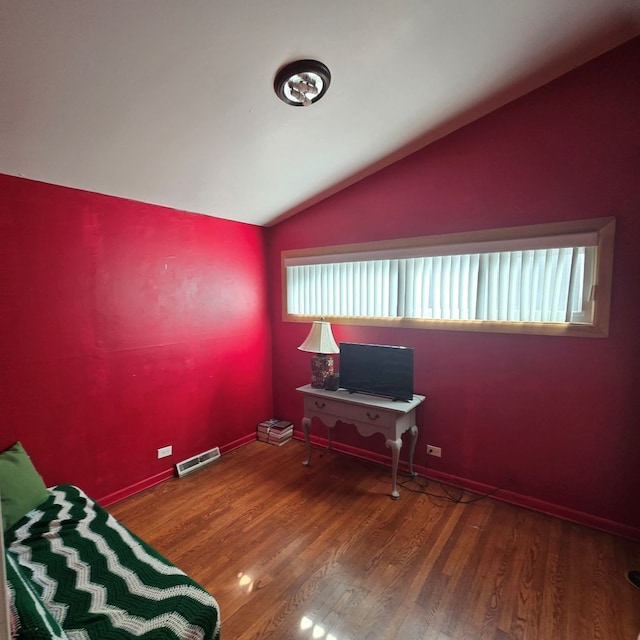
{"type": "Point", "coordinates": [594, 322]}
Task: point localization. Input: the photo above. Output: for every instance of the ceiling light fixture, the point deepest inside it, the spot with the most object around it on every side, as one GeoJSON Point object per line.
{"type": "Point", "coordinates": [301, 83]}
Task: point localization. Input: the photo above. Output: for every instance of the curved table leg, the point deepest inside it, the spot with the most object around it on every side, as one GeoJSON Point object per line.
{"type": "Point", "coordinates": [395, 446]}
{"type": "Point", "coordinates": [306, 422]}
{"type": "Point", "coordinates": [412, 449]}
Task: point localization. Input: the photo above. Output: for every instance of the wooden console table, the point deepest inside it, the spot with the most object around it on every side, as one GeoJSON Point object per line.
{"type": "Point", "coordinates": [369, 414]}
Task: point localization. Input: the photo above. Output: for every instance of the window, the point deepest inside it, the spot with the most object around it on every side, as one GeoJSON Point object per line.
{"type": "Point", "coordinates": [552, 279]}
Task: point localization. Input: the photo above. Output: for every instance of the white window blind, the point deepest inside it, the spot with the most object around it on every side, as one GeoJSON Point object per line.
{"type": "Point", "coordinates": [535, 285]}
{"type": "Point", "coordinates": [552, 279]}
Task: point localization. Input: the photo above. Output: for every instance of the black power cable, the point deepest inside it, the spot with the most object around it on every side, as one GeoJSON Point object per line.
{"type": "Point", "coordinates": [419, 484]}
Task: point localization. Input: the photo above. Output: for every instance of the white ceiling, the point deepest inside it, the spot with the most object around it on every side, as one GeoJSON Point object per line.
{"type": "Point", "coordinates": [171, 102]}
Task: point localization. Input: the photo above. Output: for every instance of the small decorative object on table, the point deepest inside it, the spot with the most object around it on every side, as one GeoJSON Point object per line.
{"type": "Point", "coordinates": [275, 431]}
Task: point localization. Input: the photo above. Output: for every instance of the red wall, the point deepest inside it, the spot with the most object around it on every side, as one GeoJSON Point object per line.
{"type": "Point", "coordinates": [553, 422]}
{"type": "Point", "coordinates": [126, 327]}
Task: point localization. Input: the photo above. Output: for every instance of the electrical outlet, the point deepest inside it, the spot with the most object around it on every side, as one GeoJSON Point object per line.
{"type": "Point", "coordinates": [165, 451]}
{"type": "Point", "coordinates": [434, 451]}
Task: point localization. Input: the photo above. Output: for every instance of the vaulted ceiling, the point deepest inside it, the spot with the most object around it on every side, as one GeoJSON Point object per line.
{"type": "Point", "coordinates": [172, 103]}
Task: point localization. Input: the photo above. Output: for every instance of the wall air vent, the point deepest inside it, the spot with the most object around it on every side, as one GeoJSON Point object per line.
{"type": "Point", "coordinates": [197, 462]}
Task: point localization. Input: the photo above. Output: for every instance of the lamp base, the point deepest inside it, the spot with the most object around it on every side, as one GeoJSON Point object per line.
{"type": "Point", "coordinates": [321, 367]}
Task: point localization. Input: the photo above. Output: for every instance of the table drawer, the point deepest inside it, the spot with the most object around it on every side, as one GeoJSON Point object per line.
{"type": "Point", "coordinates": [346, 412]}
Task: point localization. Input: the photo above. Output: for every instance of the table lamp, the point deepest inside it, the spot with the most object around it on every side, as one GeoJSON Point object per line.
{"type": "Point", "coordinates": [320, 341]}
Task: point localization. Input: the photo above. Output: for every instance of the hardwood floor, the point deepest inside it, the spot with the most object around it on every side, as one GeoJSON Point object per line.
{"type": "Point", "coordinates": [323, 552]}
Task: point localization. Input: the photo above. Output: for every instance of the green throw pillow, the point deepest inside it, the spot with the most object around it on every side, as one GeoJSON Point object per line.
{"type": "Point", "coordinates": [21, 486]}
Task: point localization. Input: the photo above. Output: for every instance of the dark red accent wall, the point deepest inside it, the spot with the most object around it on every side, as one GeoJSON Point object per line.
{"type": "Point", "coordinates": [553, 422]}
{"type": "Point", "coordinates": [126, 327]}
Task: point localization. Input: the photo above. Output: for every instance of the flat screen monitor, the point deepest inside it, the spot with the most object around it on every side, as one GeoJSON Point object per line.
{"type": "Point", "coordinates": [381, 370]}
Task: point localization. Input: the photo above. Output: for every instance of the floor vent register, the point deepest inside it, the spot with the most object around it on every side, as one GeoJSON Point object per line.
{"type": "Point", "coordinates": [197, 462]}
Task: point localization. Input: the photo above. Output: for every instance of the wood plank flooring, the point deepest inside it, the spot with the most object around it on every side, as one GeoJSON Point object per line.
{"type": "Point", "coordinates": [323, 552]}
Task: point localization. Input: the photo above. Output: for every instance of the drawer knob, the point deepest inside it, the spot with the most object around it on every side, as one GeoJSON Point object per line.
{"type": "Point", "coordinates": [372, 416]}
{"type": "Point", "coordinates": [320, 405]}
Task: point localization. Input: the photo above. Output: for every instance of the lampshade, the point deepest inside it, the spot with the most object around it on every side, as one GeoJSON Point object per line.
{"type": "Point", "coordinates": [320, 339]}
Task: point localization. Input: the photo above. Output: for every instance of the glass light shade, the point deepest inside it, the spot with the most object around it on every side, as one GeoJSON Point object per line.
{"type": "Point", "coordinates": [301, 83]}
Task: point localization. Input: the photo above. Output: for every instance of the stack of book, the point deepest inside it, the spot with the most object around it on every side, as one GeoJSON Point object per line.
{"type": "Point", "coordinates": [275, 431]}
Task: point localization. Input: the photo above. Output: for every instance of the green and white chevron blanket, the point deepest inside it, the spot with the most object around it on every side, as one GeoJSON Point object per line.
{"type": "Point", "coordinates": [97, 580]}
